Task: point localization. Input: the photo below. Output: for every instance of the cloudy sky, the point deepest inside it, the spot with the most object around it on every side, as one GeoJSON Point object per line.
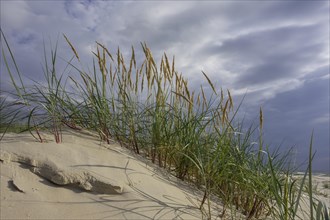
{"type": "Point", "coordinates": [275, 52]}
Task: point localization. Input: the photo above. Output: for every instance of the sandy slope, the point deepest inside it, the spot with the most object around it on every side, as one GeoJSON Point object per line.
{"type": "Point", "coordinates": [136, 189]}
{"type": "Point", "coordinates": [85, 179]}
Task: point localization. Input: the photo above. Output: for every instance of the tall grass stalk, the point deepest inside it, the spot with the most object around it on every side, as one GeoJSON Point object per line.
{"type": "Point", "coordinates": [21, 91]}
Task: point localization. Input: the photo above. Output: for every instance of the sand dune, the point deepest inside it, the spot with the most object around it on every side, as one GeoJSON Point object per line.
{"type": "Point", "coordinates": [81, 179]}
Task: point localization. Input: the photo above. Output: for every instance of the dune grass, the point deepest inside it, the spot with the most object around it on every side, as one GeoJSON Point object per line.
{"type": "Point", "coordinates": [151, 110]}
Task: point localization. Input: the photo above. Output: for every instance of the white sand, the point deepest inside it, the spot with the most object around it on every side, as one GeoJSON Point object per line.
{"type": "Point", "coordinates": [94, 181]}
{"type": "Point", "coordinates": [321, 193]}
{"type": "Point", "coordinates": [142, 191]}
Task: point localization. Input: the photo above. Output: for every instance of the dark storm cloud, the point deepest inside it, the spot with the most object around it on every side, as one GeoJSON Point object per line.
{"type": "Point", "coordinates": [271, 41]}
{"type": "Point", "coordinates": [271, 54]}
{"type": "Point", "coordinates": [295, 10]}
{"type": "Point", "coordinates": [176, 27]}
{"type": "Point", "coordinates": [273, 13]}
{"type": "Point", "coordinates": [306, 99]}
{"type": "Point", "coordinates": [267, 72]}
{"type": "Point", "coordinates": [294, 114]}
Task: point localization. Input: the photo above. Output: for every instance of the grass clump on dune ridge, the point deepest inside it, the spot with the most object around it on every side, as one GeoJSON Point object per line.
{"type": "Point", "coordinates": [150, 109]}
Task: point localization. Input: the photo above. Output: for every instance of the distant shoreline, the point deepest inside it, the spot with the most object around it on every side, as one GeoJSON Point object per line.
{"type": "Point", "coordinates": [315, 173]}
